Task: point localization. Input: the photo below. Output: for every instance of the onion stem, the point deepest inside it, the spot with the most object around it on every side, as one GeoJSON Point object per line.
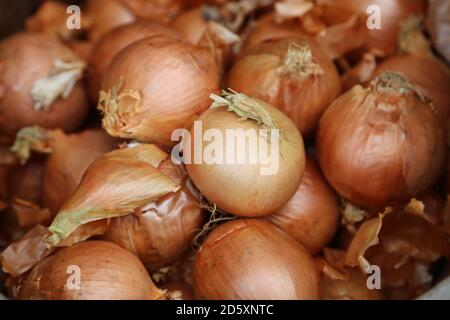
{"type": "Point", "coordinates": [30, 139]}
{"type": "Point", "coordinates": [299, 61]}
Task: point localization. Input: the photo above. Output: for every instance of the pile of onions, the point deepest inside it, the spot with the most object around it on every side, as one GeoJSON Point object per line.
{"type": "Point", "coordinates": [116, 40]}
{"type": "Point", "coordinates": [311, 216]}
{"type": "Point", "coordinates": [104, 271]}
{"type": "Point", "coordinates": [155, 86]}
{"type": "Point", "coordinates": [254, 260]}
{"type": "Point", "coordinates": [381, 145]}
{"type": "Point", "coordinates": [293, 74]}
{"type": "Point", "coordinates": [246, 187]}
{"type": "Point", "coordinates": [39, 84]}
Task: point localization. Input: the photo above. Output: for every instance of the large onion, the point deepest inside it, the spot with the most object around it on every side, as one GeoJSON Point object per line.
{"type": "Point", "coordinates": [252, 259]}
{"type": "Point", "coordinates": [106, 272]}
{"type": "Point", "coordinates": [381, 145]}
{"type": "Point", "coordinates": [311, 216]}
{"type": "Point", "coordinates": [293, 74]}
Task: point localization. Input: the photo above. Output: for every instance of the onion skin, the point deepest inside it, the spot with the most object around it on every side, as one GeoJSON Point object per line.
{"type": "Point", "coordinates": [191, 25]}
{"type": "Point", "coordinates": [113, 42]}
{"type": "Point", "coordinates": [108, 272]}
{"type": "Point", "coordinates": [263, 73]}
{"type": "Point", "coordinates": [161, 10]}
{"type": "Point", "coordinates": [378, 147]}
{"type": "Point", "coordinates": [311, 216]}
{"type": "Point", "coordinates": [25, 181]}
{"type": "Point", "coordinates": [24, 58]}
{"type": "Point", "coordinates": [254, 260]}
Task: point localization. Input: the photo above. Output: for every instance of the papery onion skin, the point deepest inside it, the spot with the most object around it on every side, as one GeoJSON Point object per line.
{"type": "Point", "coordinates": [161, 10]}
{"type": "Point", "coordinates": [172, 81]}
{"type": "Point", "coordinates": [25, 181]}
{"type": "Point", "coordinates": [254, 260]}
{"type": "Point", "coordinates": [25, 58]}
{"type": "Point", "coordinates": [311, 216]}
{"type": "Point", "coordinates": [191, 25]}
{"type": "Point", "coordinates": [264, 73]}
{"type": "Point", "coordinates": [113, 42]}
{"type": "Point", "coordinates": [107, 272]}
{"type": "Point", "coordinates": [381, 147]}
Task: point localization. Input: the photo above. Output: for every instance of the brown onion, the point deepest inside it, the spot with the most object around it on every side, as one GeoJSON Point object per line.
{"type": "Point", "coordinates": [381, 145]}
{"type": "Point", "coordinates": [293, 74]}
{"type": "Point", "coordinates": [311, 216]}
{"type": "Point", "coordinates": [113, 42]}
{"type": "Point", "coordinates": [39, 84]}
{"type": "Point", "coordinates": [252, 259]}
{"type": "Point", "coordinates": [438, 23]}
{"type": "Point", "coordinates": [25, 181]}
{"type": "Point", "coordinates": [155, 86]}
{"type": "Point", "coordinates": [106, 272]}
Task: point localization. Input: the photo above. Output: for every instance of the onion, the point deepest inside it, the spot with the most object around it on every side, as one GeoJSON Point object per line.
{"type": "Point", "coordinates": [254, 260]}
{"type": "Point", "coordinates": [113, 42]}
{"type": "Point", "coordinates": [243, 185]}
{"type": "Point", "coordinates": [107, 272]}
{"type": "Point", "coordinates": [192, 24]}
{"type": "Point", "coordinates": [293, 74]}
{"type": "Point", "coordinates": [438, 24]}
{"type": "Point", "coordinates": [39, 84]}
{"type": "Point", "coordinates": [162, 10]}
{"type": "Point", "coordinates": [155, 86]}
{"type": "Point", "coordinates": [25, 181]}
{"type": "Point", "coordinates": [381, 145]}
{"type": "Point", "coordinates": [311, 216]}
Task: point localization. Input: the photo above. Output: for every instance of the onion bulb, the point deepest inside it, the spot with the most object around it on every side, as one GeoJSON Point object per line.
{"type": "Point", "coordinates": [293, 74]}
{"type": "Point", "coordinates": [238, 178]}
{"type": "Point", "coordinates": [105, 272]}
{"type": "Point", "coordinates": [311, 216]}
{"type": "Point", "coordinates": [39, 84]}
{"type": "Point", "coordinates": [382, 145]}
{"type": "Point", "coordinates": [155, 86]}
{"type": "Point", "coordinates": [254, 260]}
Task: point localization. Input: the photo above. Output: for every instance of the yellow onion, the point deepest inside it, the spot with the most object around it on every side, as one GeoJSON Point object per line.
{"type": "Point", "coordinates": [155, 86]}
{"type": "Point", "coordinates": [39, 84]}
{"type": "Point", "coordinates": [438, 25]}
{"type": "Point", "coordinates": [92, 270]}
{"type": "Point", "coordinates": [293, 74]}
{"type": "Point", "coordinates": [254, 260]}
{"type": "Point", "coordinates": [25, 181]}
{"type": "Point", "coordinates": [238, 180]}
{"type": "Point", "coordinates": [116, 40]}
{"type": "Point", "coordinates": [381, 145]}
{"type": "Point", "coordinates": [311, 216]}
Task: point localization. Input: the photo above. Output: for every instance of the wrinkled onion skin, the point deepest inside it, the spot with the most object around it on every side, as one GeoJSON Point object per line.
{"type": "Point", "coordinates": [254, 260]}
{"type": "Point", "coordinates": [311, 216]}
{"type": "Point", "coordinates": [108, 272]}
{"type": "Point", "coordinates": [377, 150]}
{"type": "Point", "coordinates": [24, 58]}
{"type": "Point", "coordinates": [191, 25]}
{"type": "Point", "coordinates": [304, 100]}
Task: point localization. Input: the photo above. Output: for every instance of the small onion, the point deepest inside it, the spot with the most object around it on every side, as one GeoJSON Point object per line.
{"type": "Point", "coordinates": [254, 260]}
{"type": "Point", "coordinates": [381, 145]}
{"type": "Point", "coordinates": [311, 216]}
{"type": "Point", "coordinates": [293, 74]}
{"type": "Point", "coordinates": [106, 272]}
{"type": "Point", "coordinates": [39, 84]}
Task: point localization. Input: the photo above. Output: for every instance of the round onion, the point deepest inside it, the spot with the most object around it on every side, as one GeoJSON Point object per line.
{"type": "Point", "coordinates": [155, 86]}
{"type": "Point", "coordinates": [116, 40]}
{"type": "Point", "coordinates": [293, 74]}
{"type": "Point", "coordinates": [254, 260]}
{"type": "Point", "coordinates": [36, 78]}
{"type": "Point", "coordinates": [25, 181]}
{"type": "Point", "coordinates": [381, 145]}
{"type": "Point", "coordinates": [311, 216]}
{"type": "Point", "coordinates": [106, 272]}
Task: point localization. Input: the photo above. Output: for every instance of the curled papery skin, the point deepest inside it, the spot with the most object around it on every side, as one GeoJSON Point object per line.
{"type": "Point", "coordinates": [106, 272]}
{"type": "Point", "coordinates": [38, 84]}
{"type": "Point", "coordinates": [381, 145]}
{"type": "Point", "coordinates": [155, 86]}
{"type": "Point", "coordinates": [293, 74]}
{"type": "Point", "coordinates": [254, 260]}
{"type": "Point", "coordinates": [311, 216]}
{"type": "Point", "coordinates": [116, 40]}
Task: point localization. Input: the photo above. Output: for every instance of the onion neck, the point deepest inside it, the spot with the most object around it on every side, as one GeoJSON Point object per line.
{"type": "Point", "coordinates": [394, 83]}
{"type": "Point", "coordinates": [412, 39]}
{"type": "Point", "coordinates": [30, 139]}
{"type": "Point", "coordinates": [299, 62]}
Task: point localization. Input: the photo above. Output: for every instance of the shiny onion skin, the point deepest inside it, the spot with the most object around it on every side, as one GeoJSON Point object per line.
{"type": "Point", "coordinates": [242, 189]}
{"type": "Point", "coordinates": [293, 74]}
{"type": "Point", "coordinates": [254, 260]}
{"type": "Point", "coordinates": [381, 145]}
{"type": "Point", "coordinates": [108, 272]}
{"type": "Point", "coordinates": [116, 40]}
{"type": "Point", "coordinates": [25, 58]}
{"type": "Point", "coordinates": [155, 86]}
{"type": "Point", "coordinates": [311, 216]}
